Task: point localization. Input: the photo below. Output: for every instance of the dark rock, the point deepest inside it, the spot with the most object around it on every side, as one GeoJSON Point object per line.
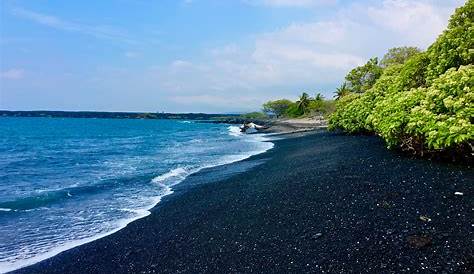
{"type": "Point", "coordinates": [419, 241]}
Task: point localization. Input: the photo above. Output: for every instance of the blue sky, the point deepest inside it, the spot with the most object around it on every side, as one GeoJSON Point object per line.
{"type": "Point", "coordinates": [196, 55]}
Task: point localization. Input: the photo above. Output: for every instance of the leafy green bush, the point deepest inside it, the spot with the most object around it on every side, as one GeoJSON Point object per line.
{"type": "Point", "coordinates": [390, 115]}
{"type": "Point", "coordinates": [427, 103]}
{"type": "Point", "coordinates": [329, 106]}
{"type": "Point", "coordinates": [443, 118]}
{"type": "Point", "coordinates": [293, 111]}
{"type": "Point", "coordinates": [353, 112]}
{"type": "Point", "coordinates": [412, 73]}
{"type": "Point", "coordinates": [455, 46]}
{"type": "Point", "coordinates": [346, 115]}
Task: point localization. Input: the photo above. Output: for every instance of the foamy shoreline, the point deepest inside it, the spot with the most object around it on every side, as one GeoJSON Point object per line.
{"type": "Point", "coordinates": [179, 173]}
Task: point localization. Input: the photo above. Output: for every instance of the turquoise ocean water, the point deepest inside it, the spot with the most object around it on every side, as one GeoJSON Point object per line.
{"type": "Point", "coordinates": [65, 182]}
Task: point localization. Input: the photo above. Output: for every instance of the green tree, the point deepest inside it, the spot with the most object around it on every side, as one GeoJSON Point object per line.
{"type": "Point", "coordinates": [303, 102]}
{"type": "Point", "coordinates": [293, 111]}
{"type": "Point", "coordinates": [362, 78]}
{"type": "Point", "coordinates": [398, 56]}
{"type": "Point", "coordinates": [319, 97]}
{"type": "Point", "coordinates": [455, 46]}
{"type": "Point", "coordinates": [425, 104]}
{"type": "Point", "coordinates": [317, 104]}
{"type": "Point", "coordinates": [277, 107]}
{"type": "Point", "coordinates": [342, 91]}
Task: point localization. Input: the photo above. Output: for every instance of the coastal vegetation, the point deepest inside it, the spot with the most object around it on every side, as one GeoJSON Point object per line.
{"type": "Point", "coordinates": [255, 115]}
{"type": "Point", "coordinates": [419, 101]}
{"type": "Point", "coordinates": [305, 106]}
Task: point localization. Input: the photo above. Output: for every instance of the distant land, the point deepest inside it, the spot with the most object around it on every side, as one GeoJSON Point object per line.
{"type": "Point", "coordinates": [120, 115]}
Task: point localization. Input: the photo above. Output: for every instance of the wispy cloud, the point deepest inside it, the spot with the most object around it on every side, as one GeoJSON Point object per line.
{"type": "Point", "coordinates": [313, 55]}
{"type": "Point", "coordinates": [310, 55]}
{"type": "Point", "coordinates": [420, 21]}
{"type": "Point", "coordinates": [12, 74]}
{"type": "Point", "coordinates": [98, 31]}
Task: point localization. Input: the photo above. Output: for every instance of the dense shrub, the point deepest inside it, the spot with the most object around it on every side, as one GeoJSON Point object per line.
{"type": "Point", "coordinates": [353, 112]}
{"type": "Point", "coordinates": [390, 115]}
{"type": "Point", "coordinates": [413, 73]}
{"type": "Point", "coordinates": [455, 46]}
{"type": "Point", "coordinates": [293, 111]}
{"type": "Point", "coordinates": [444, 116]}
{"type": "Point", "coordinates": [425, 104]}
{"type": "Point", "coordinates": [347, 113]}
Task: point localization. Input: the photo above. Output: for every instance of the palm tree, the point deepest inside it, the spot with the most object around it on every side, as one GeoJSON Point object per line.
{"type": "Point", "coordinates": [303, 102]}
{"type": "Point", "coordinates": [342, 91]}
{"type": "Point", "coordinates": [319, 97]}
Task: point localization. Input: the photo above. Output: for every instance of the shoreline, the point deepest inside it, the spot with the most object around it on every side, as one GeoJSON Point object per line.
{"type": "Point", "coordinates": [251, 219]}
{"type": "Point", "coordinates": [125, 222]}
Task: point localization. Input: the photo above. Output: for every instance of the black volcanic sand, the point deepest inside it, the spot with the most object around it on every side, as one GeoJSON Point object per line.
{"type": "Point", "coordinates": [318, 203]}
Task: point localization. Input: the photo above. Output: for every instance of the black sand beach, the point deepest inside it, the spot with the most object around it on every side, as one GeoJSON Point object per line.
{"type": "Point", "coordinates": [320, 203]}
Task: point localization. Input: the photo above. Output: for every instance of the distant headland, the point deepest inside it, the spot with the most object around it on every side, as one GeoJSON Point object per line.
{"type": "Point", "coordinates": [118, 115]}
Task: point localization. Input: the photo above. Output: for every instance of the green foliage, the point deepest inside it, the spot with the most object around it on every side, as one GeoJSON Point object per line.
{"type": "Point", "coordinates": [455, 46]}
{"type": "Point", "coordinates": [363, 78]}
{"type": "Point", "coordinates": [319, 97]}
{"type": "Point", "coordinates": [398, 56]}
{"type": "Point", "coordinates": [413, 73]}
{"type": "Point", "coordinates": [254, 115]}
{"type": "Point", "coordinates": [425, 102]}
{"type": "Point", "coordinates": [303, 103]}
{"type": "Point", "coordinates": [305, 106]}
{"type": "Point", "coordinates": [444, 116]}
{"type": "Point", "coordinates": [329, 106]}
{"type": "Point", "coordinates": [345, 116]}
{"type": "Point", "coordinates": [390, 116]}
{"type": "Point", "coordinates": [342, 91]}
{"type": "Point", "coordinates": [353, 111]}
{"type": "Point", "coordinates": [277, 107]}
{"type": "Point", "coordinates": [316, 105]}
{"type": "Point", "coordinates": [293, 111]}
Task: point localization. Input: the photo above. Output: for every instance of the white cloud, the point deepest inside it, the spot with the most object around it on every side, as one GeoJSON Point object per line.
{"type": "Point", "coordinates": [315, 32]}
{"type": "Point", "coordinates": [12, 74]}
{"type": "Point", "coordinates": [420, 21]}
{"type": "Point", "coordinates": [98, 31]}
{"type": "Point", "coordinates": [308, 56]}
{"type": "Point", "coordinates": [312, 56]}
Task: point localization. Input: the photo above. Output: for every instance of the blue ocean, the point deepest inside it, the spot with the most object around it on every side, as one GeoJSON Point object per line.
{"type": "Point", "coordinates": [65, 182]}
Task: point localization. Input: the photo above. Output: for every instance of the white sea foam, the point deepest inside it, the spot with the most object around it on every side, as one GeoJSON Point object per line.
{"type": "Point", "coordinates": [5, 209]}
{"type": "Point", "coordinates": [172, 174]}
{"type": "Point", "coordinates": [166, 181]}
{"type": "Point", "coordinates": [10, 266]}
{"type": "Point", "coordinates": [234, 131]}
